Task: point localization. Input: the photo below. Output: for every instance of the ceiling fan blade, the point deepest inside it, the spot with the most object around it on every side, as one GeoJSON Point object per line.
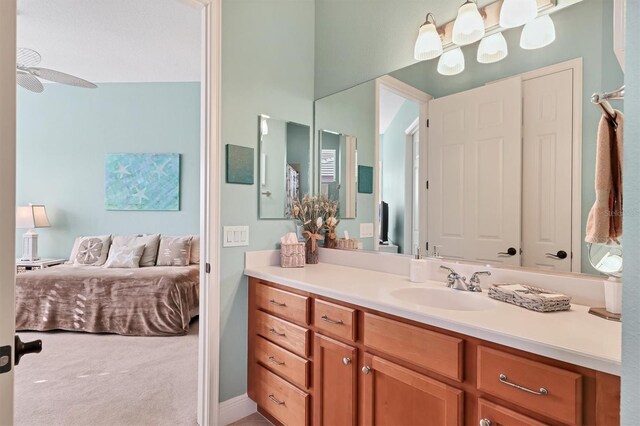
{"type": "Point", "coordinates": [29, 82]}
{"type": "Point", "coordinates": [27, 57]}
{"type": "Point", "coordinates": [60, 77]}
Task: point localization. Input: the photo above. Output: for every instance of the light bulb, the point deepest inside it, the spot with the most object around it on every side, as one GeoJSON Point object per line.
{"type": "Point", "coordinates": [492, 49]}
{"type": "Point", "coordinates": [428, 44]}
{"type": "Point", "coordinates": [451, 62]}
{"type": "Point", "coordinates": [517, 12]}
{"type": "Point", "coordinates": [538, 33]}
{"type": "Point", "coordinates": [469, 25]}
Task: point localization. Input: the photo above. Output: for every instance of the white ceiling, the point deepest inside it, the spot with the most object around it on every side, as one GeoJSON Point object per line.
{"type": "Point", "coordinates": [390, 104]}
{"type": "Point", "coordinates": [114, 40]}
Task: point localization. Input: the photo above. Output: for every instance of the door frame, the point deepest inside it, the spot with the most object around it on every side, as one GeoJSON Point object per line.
{"type": "Point", "coordinates": [209, 347]}
{"type": "Point", "coordinates": [409, 92]}
{"type": "Point", "coordinates": [409, 177]}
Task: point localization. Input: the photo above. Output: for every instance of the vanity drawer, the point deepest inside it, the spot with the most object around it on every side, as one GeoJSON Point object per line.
{"type": "Point", "coordinates": [335, 320]}
{"type": "Point", "coordinates": [283, 362]}
{"type": "Point", "coordinates": [434, 351]}
{"type": "Point", "coordinates": [283, 303]}
{"type": "Point", "coordinates": [501, 416]}
{"type": "Point", "coordinates": [521, 381]}
{"type": "Point", "coordinates": [283, 333]}
{"type": "Point", "coordinates": [281, 399]}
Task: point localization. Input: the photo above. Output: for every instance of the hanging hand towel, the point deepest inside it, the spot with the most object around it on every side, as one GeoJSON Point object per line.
{"type": "Point", "coordinates": [604, 224]}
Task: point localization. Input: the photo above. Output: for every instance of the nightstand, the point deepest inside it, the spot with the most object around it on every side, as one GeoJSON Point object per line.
{"type": "Point", "coordinates": [25, 265]}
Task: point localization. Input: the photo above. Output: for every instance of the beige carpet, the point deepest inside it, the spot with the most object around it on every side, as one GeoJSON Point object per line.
{"type": "Point", "coordinates": [89, 379]}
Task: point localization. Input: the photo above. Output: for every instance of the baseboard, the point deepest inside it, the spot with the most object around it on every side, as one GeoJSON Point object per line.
{"type": "Point", "coordinates": [235, 409]}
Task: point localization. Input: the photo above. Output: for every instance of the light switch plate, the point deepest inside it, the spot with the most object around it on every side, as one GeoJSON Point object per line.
{"type": "Point", "coordinates": [366, 230]}
{"type": "Point", "coordinates": [235, 236]}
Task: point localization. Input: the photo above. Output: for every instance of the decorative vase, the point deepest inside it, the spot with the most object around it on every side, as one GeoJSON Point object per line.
{"type": "Point", "coordinates": [330, 240]}
{"type": "Point", "coordinates": [311, 251]}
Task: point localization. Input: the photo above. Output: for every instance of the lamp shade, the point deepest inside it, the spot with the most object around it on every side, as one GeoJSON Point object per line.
{"type": "Point", "coordinates": [517, 12]}
{"type": "Point", "coordinates": [428, 44]}
{"type": "Point", "coordinates": [492, 49]}
{"type": "Point", "coordinates": [32, 216]}
{"type": "Point", "coordinates": [538, 33]}
{"type": "Point", "coordinates": [451, 62]}
{"type": "Point", "coordinates": [469, 25]}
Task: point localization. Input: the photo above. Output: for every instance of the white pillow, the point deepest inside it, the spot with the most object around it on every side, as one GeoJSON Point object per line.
{"type": "Point", "coordinates": [150, 242]}
{"type": "Point", "coordinates": [124, 256]}
{"type": "Point", "coordinates": [195, 250]}
{"type": "Point", "coordinates": [90, 250]}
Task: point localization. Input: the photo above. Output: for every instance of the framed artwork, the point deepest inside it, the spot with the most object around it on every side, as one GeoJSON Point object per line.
{"type": "Point", "coordinates": [142, 182]}
{"type": "Point", "coordinates": [239, 162]}
{"type": "Point", "coordinates": [365, 179]}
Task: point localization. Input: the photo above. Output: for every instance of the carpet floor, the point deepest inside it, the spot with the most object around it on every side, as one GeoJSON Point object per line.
{"type": "Point", "coordinates": [90, 379]}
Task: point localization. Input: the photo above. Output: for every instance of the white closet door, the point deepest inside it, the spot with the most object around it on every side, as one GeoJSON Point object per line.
{"type": "Point", "coordinates": [547, 146]}
{"type": "Point", "coordinates": [475, 152]}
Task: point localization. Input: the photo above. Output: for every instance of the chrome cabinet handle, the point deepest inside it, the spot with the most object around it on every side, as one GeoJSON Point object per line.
{"type": "Point", "coordinates": [276, 400]}
{"type": "Point", "coordinates": [485, 422]}
{"type": "Point", "coordinates": [504, 380]}
{"type": "Point", "coordinates": [273, 331]}
{"type": "Point", "coordinates": [560, 255]}
{"type": "Point", "coordinates": [274, 302]}
{"type": "Point", "coordinates": [511, 251]}
{"type": "Point", "coordinates": [275, 361]}
{"type": "Point", "coordinates": [346, 360]}
{"type": "Point", "coordinates": [330, 321]}
{"type": "Point", "coordinates": [366, 369]}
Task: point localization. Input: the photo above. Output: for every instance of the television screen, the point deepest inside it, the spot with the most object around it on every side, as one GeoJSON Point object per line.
{"type": "Point", "coordinates": [383, 217]}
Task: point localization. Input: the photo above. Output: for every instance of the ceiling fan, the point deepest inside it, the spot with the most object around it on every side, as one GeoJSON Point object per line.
{"type": "Point", "coordinates": [28, 74]}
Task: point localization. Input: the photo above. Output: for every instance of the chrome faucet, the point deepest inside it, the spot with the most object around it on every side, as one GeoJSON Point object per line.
{"type": "Point", "coordinates": [453, 279]}
{"type": "Point", "coordinates": [474, 282]}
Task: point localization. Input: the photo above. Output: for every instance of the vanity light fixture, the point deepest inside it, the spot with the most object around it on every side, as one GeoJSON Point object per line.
{"type": "Point", "coordinates": [428, 44]}
{"type": "Point", "coordinates": [492, 49]}
{"type": "Point", "coordinates": [515, 13]}
{"type": "Point", "coordinates": [469, 25]}
{"type": "Point", "coordinates": [538, 33]}
{"type": "Point", "coordinates": [451, 62]}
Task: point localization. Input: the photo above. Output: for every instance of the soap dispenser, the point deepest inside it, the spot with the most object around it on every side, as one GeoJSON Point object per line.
{"type": "Point", "coordinates": [418, 269]}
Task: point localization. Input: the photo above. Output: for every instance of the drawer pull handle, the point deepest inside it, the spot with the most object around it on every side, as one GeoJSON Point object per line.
{"type": "Point", "coordinates": [504, 380]}
{"type": "Point", "coordinates": [276, 400]}
{"type": "Point", "coordinates": [485, 422]}
{"type": "Point", "coordinates": [275, 361]}
{"type": "Point", "coordinates": [275, 302]}
{"type": "Point", "coordinates": [330, 321]}
{"type": "Point", "coordinates": [273, 331]}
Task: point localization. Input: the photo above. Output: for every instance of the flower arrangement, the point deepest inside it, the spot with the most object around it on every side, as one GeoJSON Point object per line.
{"type": "Point", "coordinates": [314, 214]}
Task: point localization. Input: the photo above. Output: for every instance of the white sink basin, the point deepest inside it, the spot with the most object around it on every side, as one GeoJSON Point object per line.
{"type": "Point", "coordinates": [444, 298]}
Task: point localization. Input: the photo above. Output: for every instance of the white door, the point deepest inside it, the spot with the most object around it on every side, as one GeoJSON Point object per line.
{"type": "Point", "coordinates": [546, 173]}
{"type": "Point", "coordinates": [7, 200]}
{"type": "Point", "coordinates": [474, 158]}
{"type": "Point", "coordinates": [415, 193]}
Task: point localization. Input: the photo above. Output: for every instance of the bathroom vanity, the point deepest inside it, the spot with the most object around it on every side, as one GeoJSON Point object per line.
{"type": "Point", "coordinates": [334, 345]}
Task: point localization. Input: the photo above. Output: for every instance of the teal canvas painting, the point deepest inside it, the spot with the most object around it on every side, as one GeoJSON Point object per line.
{"type": "Point", "coordinates": [365, 179]}
{"type": "Point", "coordinates": [239, 164]}
{"type": "Point", "coordinates": [142, 182]}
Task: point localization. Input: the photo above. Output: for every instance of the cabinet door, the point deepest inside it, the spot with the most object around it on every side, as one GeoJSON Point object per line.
{"type": "Point", "coordinates": [334, 381]}
{"type": "Point", "coordinates": [395, 395]}
{"type": "Point", "coordinates": [491, 414]}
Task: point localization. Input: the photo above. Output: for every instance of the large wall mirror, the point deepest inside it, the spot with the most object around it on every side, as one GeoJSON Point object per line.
{"type": "Point", "coordinates": [495, 164]}
{"type": "Point", "coordinates": [284, 165]}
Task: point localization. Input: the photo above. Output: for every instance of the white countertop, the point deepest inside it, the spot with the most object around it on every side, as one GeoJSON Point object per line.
{"type": "Point", "coordinates": [573, 336]}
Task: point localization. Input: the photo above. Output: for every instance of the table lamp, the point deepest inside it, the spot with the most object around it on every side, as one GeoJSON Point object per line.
{"type": "Point", "coordinates": [31, 217]}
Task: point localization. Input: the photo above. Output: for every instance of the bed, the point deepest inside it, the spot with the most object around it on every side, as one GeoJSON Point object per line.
{"type": "Point", "coordinates": [151, 301]}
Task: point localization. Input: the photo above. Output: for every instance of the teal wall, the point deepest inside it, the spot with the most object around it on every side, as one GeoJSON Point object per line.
{"type": "Point", "coordinates": [352, 112]}
{"type": "Point", "coordinates": [396, 168]}
{"type": "Point", "coordinates": [63, 136]}
{"type": "Point", "coordinates": [631, 289]}
{"type": "Point", "coordinates": [267, 68]}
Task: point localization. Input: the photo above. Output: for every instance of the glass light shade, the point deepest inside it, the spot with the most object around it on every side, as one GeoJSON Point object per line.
{"type": "Point", "coordinates": [451, 62]}
{"type": "Point", "coordinates": [32, 216]}
{"type": "Point", "coordinates": [428, 44]}
{"type": "Point", "coordinates": [264, 127]}
{"type": "Point", "coordinates": [469, 25]}
{"type": "Point", "coordinates": [538, 33]}
{"type": "Point", "coordinates": [492, 49]}
{"type": "Point", "coordinates": [517, 12]}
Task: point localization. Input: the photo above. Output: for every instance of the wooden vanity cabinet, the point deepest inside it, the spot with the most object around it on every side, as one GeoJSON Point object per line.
{"type": "Point", "coordinates": [314, 360]}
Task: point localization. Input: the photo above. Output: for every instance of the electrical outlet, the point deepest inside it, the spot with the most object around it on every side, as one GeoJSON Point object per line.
{"type": "Point", "coordinates": [366, 230]}
{"type": "Point", "coordinates": [235, 236]}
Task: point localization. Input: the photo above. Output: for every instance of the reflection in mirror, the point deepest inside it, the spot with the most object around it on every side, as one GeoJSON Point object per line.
{"type": "Point", "coordinates": [284, 165]}
{"type": "Point", "coordinates": [504, 173]}
{"type": "Point", "coordinates": [338, 165]}
{"type": "Point", "coordinates": [606, 259]}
